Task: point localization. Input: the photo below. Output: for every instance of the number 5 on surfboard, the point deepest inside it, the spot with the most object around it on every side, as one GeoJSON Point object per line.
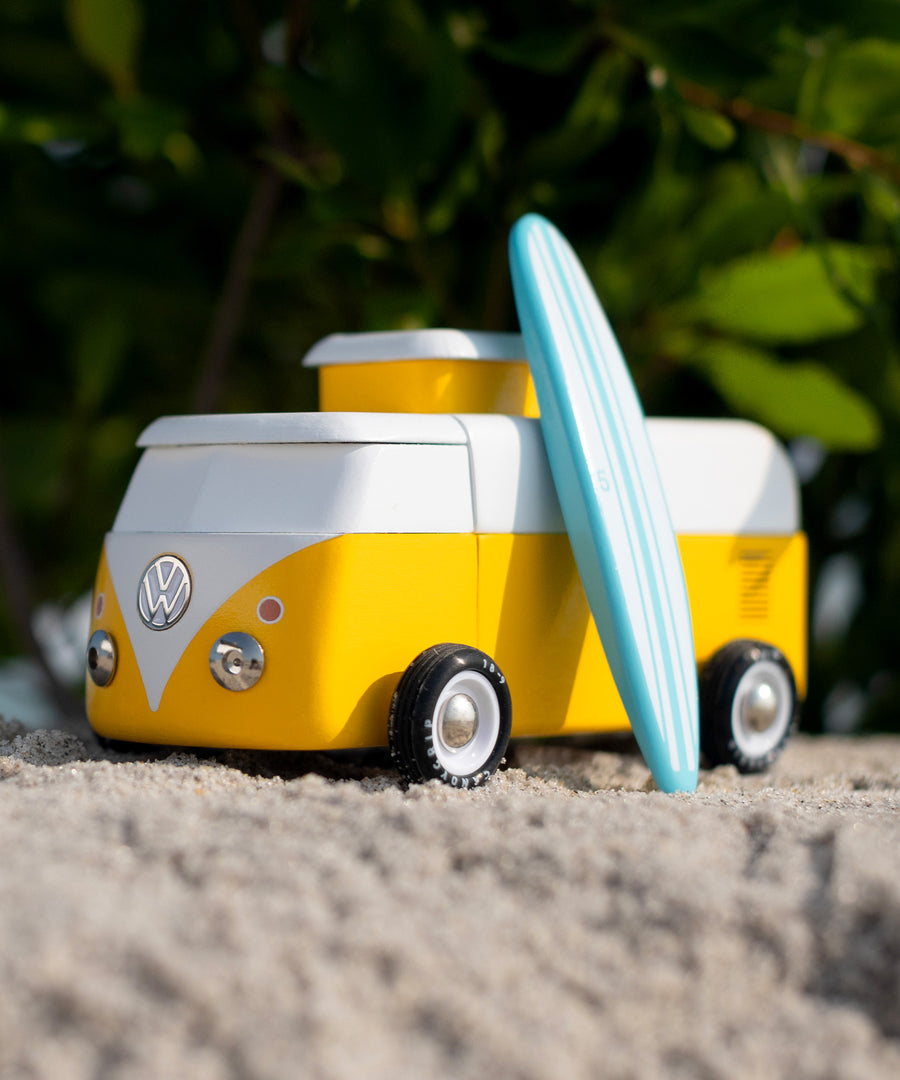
{"type": "Point", "coordinates": [611, 497]}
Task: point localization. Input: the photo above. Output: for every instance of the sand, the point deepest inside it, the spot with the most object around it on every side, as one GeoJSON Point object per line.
{"type": "Point", "coordinates": [253, 915]}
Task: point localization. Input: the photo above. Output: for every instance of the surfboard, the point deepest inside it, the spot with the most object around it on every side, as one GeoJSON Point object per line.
{"type": "Point", "coordinates": [611, 497]}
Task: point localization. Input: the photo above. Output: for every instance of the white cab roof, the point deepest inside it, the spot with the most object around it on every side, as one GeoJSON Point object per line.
{"type": "Point", "coordinates": [720, 477]}
{"type": "Point", "coordinates": [260, 428]}
{"type": "Point", "coordinates": [725, 476]}
{"type": "Point", "coordinates": [433, 473]}
{"type": "Point", "coordinates": [414, 345]}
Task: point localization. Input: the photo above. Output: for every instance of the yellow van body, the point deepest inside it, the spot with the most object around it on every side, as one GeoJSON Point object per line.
{"type": "Point", "coordinates": [345, 543]}
{"type": "Point", "coordinates": [358, 609]}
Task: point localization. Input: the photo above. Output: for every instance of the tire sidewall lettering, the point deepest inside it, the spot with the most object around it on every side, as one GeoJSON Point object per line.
{"type": "Point", "coordinates": [415, 745]}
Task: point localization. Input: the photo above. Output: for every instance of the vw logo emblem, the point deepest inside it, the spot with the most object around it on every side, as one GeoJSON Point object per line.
{"type": "Point", "coordinates": [164, 592]}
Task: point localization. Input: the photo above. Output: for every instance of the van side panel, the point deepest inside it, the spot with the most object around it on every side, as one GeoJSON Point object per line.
{"type": "Point", "coordinates": [534, 620]}
{"type": "Point", "coordinates": [749, 587]}
{"type": "Point", "coordinates": [357, 610]}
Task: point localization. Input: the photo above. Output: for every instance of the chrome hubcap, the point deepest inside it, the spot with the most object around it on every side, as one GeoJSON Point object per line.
{"type": "Point", "coordinates": [760, 707]}
{"type": "Point", "coordinates": [466, 724]}
{"type": "Point", "coordinates": [457, 721]}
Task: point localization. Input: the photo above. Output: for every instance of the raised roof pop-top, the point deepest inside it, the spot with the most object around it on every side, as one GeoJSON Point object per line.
{"type": "Point", "coordinates": [424, 371]}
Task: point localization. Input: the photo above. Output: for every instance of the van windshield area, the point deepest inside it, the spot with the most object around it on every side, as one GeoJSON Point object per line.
{"type": "Point", "coordinates": [302, 488]}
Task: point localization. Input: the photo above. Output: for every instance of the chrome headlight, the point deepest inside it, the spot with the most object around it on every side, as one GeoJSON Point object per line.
{"type": "Point", "coordinates": [101, 657]}
{"type": "Point", "coordinates": [236, 661]}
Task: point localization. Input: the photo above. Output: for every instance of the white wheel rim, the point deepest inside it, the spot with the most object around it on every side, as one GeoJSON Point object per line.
{"type": "Point", "coordinates": [471, 757]}
{"type": "Point", "coordinates": [762, 679]}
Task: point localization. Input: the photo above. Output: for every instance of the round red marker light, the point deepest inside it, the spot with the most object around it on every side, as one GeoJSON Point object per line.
{"type": "Point", "coordinates": [269, 609]}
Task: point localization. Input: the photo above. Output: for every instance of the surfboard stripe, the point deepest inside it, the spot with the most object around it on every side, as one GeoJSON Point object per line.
{"type": "Point", "coordinates": [675, 616]}
{"type": "Point", "coordinates": [663, 564]}
{"type": "Point", "coordinates": [646, 629]}
{"type": "Point", "coordinates": [595, 323]}
{"type": "Point", "coordinates": [612, 498]}
{"type": "Point", "coordinates": [623, 454]}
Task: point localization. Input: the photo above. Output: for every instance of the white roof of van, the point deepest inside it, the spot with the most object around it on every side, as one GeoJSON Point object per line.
{"type": "Point", "coordinates": [317, 427]}
{"type": "Point", "coordinates": [414, 345]}
{"type": "Point", "coordinates": [719, 476]}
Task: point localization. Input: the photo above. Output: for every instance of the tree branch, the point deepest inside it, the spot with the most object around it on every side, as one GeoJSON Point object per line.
{"type": "Point", "coordinates": [856, 154]}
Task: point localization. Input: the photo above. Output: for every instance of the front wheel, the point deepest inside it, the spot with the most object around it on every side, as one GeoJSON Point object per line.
{"type": "Point", "coordinates": [748, 705]}
{"type": "Point", "coordinates": [451, 716]}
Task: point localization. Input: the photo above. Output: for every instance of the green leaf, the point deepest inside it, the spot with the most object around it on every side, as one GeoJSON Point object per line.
{"type": "Point", "coordinates": [710, 128]}
{"type": "Point", "coordinates": [882, 198]}
{"type": "Point", "coordinates": [37, 444]}
{"type": "Point", "coordinates": [599, 101]}
{"type": "Point", "coordinates": [709, 54]}
{"type": "Point", "coordinates": [41, 67]}
{"type": "Point", "coordinates": [861, 90]}
{"type": "Point", "coordinates": [550, 52]}
{"type": "Point", "coordinates": [793, 399]}
{"type": "Point", "coordinates": [316, 173]}
{"type": "Point", "coordinates": [591, 121]}
{"type": "Point", "coordinates": [797, 297]}
{"type": "Point", "coordinates": [862, 18]}
{"type": "Point", "coordinates": [107, 33]}
{"type": "Point", "coordinates": [42, 127]}
{"type": "Point", "coordinates": [146, 126]}
{"type": "Point", "coordinates": [99, 355]}
{"type": "Point", "coordinates": [738, 214]}
{"type": "Point", "coordinates": [387, 98]}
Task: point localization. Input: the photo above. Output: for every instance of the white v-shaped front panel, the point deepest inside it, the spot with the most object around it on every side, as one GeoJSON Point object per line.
{"type": "Point", "coordinates": [219, 565]}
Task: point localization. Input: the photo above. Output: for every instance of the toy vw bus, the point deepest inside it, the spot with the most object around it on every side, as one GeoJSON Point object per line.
{"type": "Point", "coordinates": [394, 571]}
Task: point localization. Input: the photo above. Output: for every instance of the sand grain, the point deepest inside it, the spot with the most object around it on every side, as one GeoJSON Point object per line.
{"type": "Point", "coordinates": [244, 916]}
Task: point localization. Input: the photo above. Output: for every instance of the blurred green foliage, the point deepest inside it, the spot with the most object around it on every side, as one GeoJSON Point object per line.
{"type": "Point", "coordinates": [192, 194]}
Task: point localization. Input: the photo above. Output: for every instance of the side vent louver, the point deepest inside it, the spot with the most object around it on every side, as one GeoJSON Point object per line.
{"type": "Point", "coordinates": [756, 569]}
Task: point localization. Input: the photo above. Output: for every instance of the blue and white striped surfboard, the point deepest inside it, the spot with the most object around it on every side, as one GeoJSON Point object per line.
{"type": "Point", "coordinates": [611, 497]}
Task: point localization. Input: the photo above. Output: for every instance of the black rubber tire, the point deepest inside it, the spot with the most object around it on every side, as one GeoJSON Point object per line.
{"type": "Point", "coordinates": [414, 709]}
{"type": "Point", "coordinates": [721, 738]}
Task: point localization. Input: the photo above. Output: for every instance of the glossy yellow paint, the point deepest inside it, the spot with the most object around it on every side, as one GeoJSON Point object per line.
{"type": "Point", "coordinates": [358, 609]}
{"type": "Point", "coordinates": [429, 386]}
{"type": "Point", "coordinates": [535, 621]}
{"type": "Point", "coordinates": [749, 587]}
{"type": "Point", "coordinates": [112, 708]}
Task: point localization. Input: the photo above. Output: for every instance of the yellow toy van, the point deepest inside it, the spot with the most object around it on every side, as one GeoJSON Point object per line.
{"type": "Point", "coordinates": [388, 572]}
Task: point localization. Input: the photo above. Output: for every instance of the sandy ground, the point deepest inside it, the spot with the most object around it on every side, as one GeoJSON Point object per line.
{"type": "Point", "coordinates": [252, 916]}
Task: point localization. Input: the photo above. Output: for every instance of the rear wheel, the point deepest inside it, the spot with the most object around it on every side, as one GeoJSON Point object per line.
{"type": "Point", "coordinates": [450, 717]}
{"type": "Point", "coordinates": [748, 705]}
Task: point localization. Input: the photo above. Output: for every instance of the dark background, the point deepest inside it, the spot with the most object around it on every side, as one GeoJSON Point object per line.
{"type": "Point", "coordinates": [192, 194]}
